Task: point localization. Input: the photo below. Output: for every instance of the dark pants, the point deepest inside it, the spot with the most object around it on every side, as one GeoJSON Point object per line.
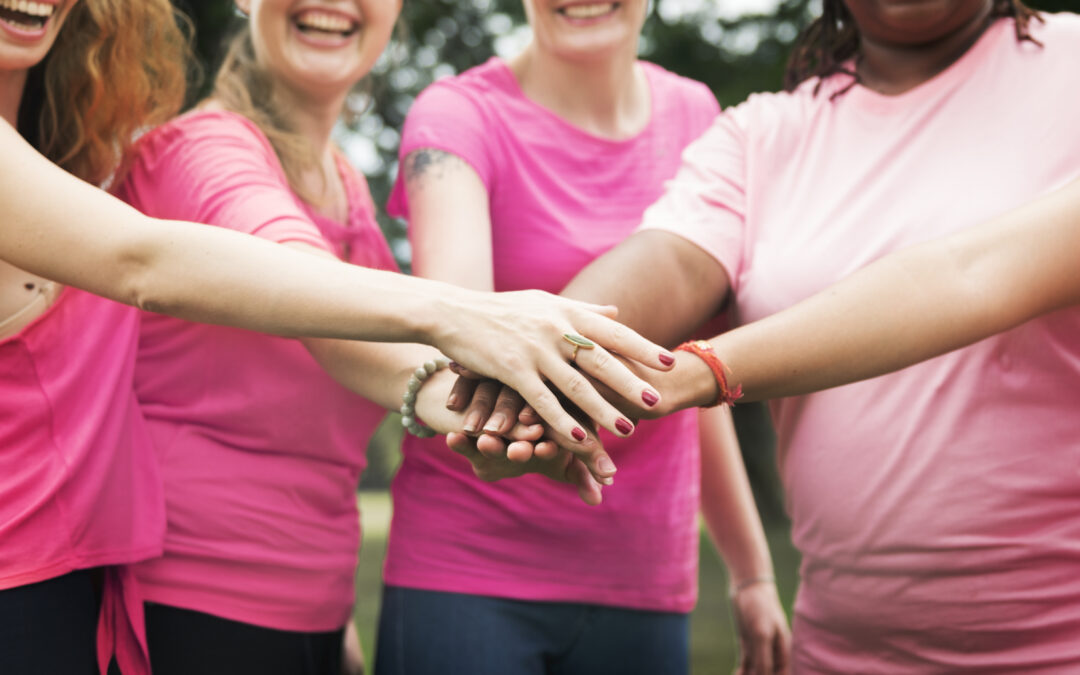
{"type": "Point", "coordinates": [51, 627]}
{"type": "Point", "coordinates": [429, 633]}
{"type": "Point", "coordinates": [186, 642]}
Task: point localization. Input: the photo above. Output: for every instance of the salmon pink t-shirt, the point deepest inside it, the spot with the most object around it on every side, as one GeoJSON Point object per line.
{"type": "Point", "coordinates": [937, 509]}
{"type": "Point", "coordinates": [559, 197]}
{"type": "Point", "coordinates": [261, 450]}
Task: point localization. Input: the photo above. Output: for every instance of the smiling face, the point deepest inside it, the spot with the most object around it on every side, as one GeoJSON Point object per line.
{"type": "Point", "coordinates": [915, 22]}
{"type": "Point", "coordinates": [586, 29]}
{"type": "Point", "coordinates": [28, 30]}
{"type": "Point", "coordinates": [320, 47]}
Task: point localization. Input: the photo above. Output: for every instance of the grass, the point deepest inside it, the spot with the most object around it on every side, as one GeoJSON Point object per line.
{"type": "Point", "coordinates": [713, 644]}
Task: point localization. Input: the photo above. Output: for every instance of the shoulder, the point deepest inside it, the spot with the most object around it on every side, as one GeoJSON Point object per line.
{"type": "Point", "coordinates": [203, 133]}
{"type": "Point", "coordinates": [679, 89]}
{"type": "Point", "coordinates": [475, 91]}
{"type": "Point", "coordinates": [1058, 34]}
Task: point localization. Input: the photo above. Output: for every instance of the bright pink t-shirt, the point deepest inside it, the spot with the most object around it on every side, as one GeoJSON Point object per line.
{"type": "Point", "coordinates": [261, 451]}
{"type": "Point", "coordinates": [938, 508]}
{"type": "Point", "coordinates": [79, 485]}
{"type": "Point", "coordinates": [559, 197]}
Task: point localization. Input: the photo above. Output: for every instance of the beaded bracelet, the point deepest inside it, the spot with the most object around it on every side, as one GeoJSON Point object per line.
{"type": "Point", "coordinates": [704, 351]}
{"type": "Point", "coordinates": [408, 399]}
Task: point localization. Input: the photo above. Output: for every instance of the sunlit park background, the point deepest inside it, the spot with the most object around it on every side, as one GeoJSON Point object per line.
{"type": "Point", "coordinates": [734, 46]}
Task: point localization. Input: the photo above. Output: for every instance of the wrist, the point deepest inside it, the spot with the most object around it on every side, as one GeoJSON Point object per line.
{"type": "Point", "coordinates": [737, 586]}
{"type": "Point", "coordinates": [690, 384]}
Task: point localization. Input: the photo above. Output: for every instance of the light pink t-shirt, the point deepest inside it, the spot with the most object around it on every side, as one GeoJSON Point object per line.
{"type": "Point", "coordinates": [260, 449]}
{"type": "Point", "coordinates": [79, 485]}
{"type": "Point", "coordinates": [938, 508]}
{"type": "Point", "coordinates": [559, 197]}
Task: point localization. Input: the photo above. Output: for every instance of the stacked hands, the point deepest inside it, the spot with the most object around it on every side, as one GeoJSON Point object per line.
{"type": "Point", "coordinates": [544, 419]}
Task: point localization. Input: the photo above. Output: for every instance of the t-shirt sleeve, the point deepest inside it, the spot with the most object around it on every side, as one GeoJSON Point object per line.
{"type": "Point", "coordinates": [216, 168]}
{"type": "Point", "coordinates": [444, 117]}
{"type": "Point", "coordinates": [705, 202]}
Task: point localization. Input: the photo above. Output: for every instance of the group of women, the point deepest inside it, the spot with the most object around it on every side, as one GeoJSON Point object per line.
{"type": "Point", "coordinates": [178, 491]}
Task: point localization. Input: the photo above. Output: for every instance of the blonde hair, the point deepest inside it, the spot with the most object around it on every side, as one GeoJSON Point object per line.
{"type": "Point", "coordinates": [118, 67]}
{"type": "Point", "coordinates": [244, 87]}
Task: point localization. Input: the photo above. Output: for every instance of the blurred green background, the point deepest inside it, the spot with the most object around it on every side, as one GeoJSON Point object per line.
{"type": "Point", "coordinates": [736, 47]}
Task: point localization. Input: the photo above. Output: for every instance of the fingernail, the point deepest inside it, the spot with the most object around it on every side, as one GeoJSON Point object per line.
{"type": "Point", "coordinates": [607, 480]}
{"type": "Point", "coordinates": [667, 359]}
{"type": "Point", "coordinates": [578, 433]}
{"type": "Point", "coordinates": [623, 426]}
{"type": "Point", "coordinates": [495, 423]}
{"type": "Point", "coordinates": [650, 398]}
{"type": "Point", "coordinates": [452, 401]}
{"type": "Point", "coordinates": [471, 422]}
{"type": "Point", "coordinates": [606, 465]}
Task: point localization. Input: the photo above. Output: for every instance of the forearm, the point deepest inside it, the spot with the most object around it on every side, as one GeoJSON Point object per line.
{"type": "Point", "coordinates": [727, 502]}
{"type": "Point", "coordinates": [916, 304]}
{"type": "Point", "coordinates": [664, 286]}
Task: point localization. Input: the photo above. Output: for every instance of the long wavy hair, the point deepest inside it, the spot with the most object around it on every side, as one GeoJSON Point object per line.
{"type": "Point", "coordinates": [118, 68]}
{"type": "Point", "coordinates": [832, 40]}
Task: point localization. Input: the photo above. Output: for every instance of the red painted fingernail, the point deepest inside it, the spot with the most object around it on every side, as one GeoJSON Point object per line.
{"type": "Point", "coordinates": [578, 433]}
{"type": "Point", "coordinates": [623, 426]}
{"type": "Point", "coordinates": [649, 398]}
{"type": "Point", "coordinates": [666, 359]}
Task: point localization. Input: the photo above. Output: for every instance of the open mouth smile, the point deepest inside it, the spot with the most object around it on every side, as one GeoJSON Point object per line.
{"type": "Point", "coordinates": [25, 16]}
{"type": "Point", "coordinates": [318, 22]}
{"type": "Point", "coordinates": [588, 11]}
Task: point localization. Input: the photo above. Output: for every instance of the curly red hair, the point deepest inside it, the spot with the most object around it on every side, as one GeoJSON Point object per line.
{"type": "Point", "coordinates": [118, 67]}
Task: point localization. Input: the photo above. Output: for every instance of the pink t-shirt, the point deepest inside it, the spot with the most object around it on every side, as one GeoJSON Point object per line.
{"type": "Point", "coordinates": [938, 508]}
{"type": "Point", "coordinates": [79, 485]}
{"type": "Point", "coordinates": [559, 197]}
{"type": "Point", "coordinates": [261, 451]}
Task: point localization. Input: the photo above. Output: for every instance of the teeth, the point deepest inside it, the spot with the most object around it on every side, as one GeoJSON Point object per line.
{"type": "Point", "coordinates": [39, 9]}
{"type": "Point", "coordinates": [321, 21]}
{"type": "Point", "coordinates": [588, 11]}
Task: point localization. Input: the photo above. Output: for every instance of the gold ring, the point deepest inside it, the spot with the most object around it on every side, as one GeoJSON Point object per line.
{"type": "Point", "coordinates": [579, 342]}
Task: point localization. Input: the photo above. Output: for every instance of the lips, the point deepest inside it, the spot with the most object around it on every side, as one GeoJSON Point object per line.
{"type": "Point", "coordinates": [588, 11]}
{"type": "Point", "coordinates": [318, 21]}
{"type": "Point", "coordinates": [26, 16]}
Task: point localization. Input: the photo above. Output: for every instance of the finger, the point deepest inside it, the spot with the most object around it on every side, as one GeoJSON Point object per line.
{"type": "Point", "coordinates": [563, 428]}
{"type": "Point", "coordinates": [492, 447]}
{"type": "Point", "coordinates": [462, 445]}
{"type": "Point", "coordinates": [505, 414]}
{"type": "Point", "coordinates": [616, 376]}
{"type": "Point", "coordinates": [479, 409]}
{"type": "Point", "coordinates": [528, 416]}
{"type": "Point", "coordinates": [461, 393]}
{"type": "Point", "coordinates": [616, 337]}
{"type": "Point", "coordinates": [782, 651]}
{"type": "Point", "coordinates": [526, 432]}
{"type": "Point", "coordinates": [460, 370]}
{"type": "Point", "coordinates": [546, 450]}
{"type": "Point", "coordinates": [762, 645]}
{"type": "Point", "coordinates": [588, 489]}
{"type": "Point", "coordinates": [582, 393]}
{"type": "Point", "coordinates": [520, 452]}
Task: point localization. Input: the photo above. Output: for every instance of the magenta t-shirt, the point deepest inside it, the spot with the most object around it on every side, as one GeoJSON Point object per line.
{"type": "Point", "coordinates": [79, 485]}
{"type": "Point", "coordinates": [938, 508]}
{"type": "Point", "coordinates": [559, 197]}
{"type": "Point", "coordinates": [261, 451]}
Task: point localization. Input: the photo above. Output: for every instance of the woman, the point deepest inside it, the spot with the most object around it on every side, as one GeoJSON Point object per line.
{"type": "Point", "coordinates": [935, 505]}
{"type": "Point", "coordinates": [257, 573]}
{"type": "Point", "coordinates": [515, 175]}
{"type": "Point", "coordinates": [80, 487]}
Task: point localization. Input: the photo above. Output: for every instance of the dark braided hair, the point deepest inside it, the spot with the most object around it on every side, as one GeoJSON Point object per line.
{"type": "Point", "coordinates": [832, 40]}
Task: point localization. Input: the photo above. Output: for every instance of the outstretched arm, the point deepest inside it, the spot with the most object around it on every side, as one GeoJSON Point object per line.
{"type": "Point", "coordinates": [61, 228]}
{"type": "Point", "coordinates": [917, 303]}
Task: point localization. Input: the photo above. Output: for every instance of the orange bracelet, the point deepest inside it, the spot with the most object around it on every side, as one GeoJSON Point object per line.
{"type": "Point", "coordinates": [704, 351]}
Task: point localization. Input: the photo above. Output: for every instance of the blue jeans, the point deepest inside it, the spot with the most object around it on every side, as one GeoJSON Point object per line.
{"type": "Point", "coordinates": [436, 633]}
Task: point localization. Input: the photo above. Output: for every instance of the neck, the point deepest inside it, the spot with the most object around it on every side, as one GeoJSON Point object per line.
{"type": "Point", "coordinates": [313, 117]}
{"type": "Point", "coordinates": [892, 68]}
{"type": "Point", "coordinates": [607, 97]}
{"type": "Point", "coordinates": [12, 84]}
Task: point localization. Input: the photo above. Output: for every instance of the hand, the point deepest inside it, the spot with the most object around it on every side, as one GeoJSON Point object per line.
{"type": "Point", "coordinates": [352, 655]}
{"type": "Point", "coordinates": [517, 338]}
{"type": "Point", "coordinates": [546, 459]}
{"type": "Point", "coordinates": [764, 637]}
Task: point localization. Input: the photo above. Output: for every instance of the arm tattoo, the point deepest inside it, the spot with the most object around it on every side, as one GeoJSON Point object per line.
{"type": "Point", "coordinates": [429, 162]}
